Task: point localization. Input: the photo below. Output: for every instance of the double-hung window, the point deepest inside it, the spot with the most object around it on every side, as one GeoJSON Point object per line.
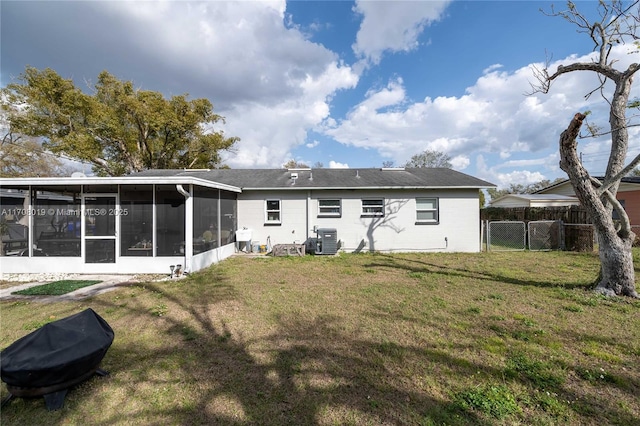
{"type": "Point", "coordinates": [427, 210]}
{"type": "Point", "coordinates": [272, 212]}
{"type": "Point", "coordinates": [373, 207]}
{"type": "Point", "coordinates": [329, 208]}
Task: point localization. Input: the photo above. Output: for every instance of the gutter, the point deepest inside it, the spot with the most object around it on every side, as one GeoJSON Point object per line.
{"type": "Point", "coordinates": [188, 231]}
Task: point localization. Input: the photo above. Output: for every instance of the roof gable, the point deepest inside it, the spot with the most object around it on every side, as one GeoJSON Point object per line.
{"type": "Point", "coordinates": [629, 183]}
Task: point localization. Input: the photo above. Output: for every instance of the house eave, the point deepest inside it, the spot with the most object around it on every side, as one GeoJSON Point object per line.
{"type": "Point", "coordinates": [321, 188]}
{"type": "Point", "coordinates": [142, 180]}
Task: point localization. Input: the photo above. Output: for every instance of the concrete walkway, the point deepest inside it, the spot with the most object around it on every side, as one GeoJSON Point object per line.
{"type": "Point", "coordinates": [107, 283]}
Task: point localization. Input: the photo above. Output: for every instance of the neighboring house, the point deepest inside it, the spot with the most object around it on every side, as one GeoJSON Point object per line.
{"type": "Point", "coordinates": [628, 195]}
{"type": "Point", "coordinates": [145, 222]}
{"type": "Point", "coordinates": [534, 200]}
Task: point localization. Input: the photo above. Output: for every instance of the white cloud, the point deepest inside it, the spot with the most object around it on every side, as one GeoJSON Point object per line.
{"type": "Point", "coordinates": [494, 118]}
{"type": "Point", "coordinates": [504, 180]}
{"type": "Point", "coordinates": [313, 144]}
{"type": "Point", "coordinates": [336, 165]}
{"type": "Point", "coordinates": [269, 81]}
{"type": "Point", "coordinates": [393, 26]}
{"type": "Point", "coordinates": [460, 162]}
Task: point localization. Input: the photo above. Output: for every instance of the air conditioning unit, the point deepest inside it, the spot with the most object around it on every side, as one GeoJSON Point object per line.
{"type": "Point", "coordinates": [327, 241]}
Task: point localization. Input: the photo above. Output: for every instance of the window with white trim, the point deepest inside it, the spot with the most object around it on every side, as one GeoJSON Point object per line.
{"type": "Point", "coordinates": [272, 211]}
{"type": "Point", "coordinates": [427, 210]}
{"type": "Point", "coordinates": [329, 208]}
{"type": "Point", "coordinates": [373, 207]}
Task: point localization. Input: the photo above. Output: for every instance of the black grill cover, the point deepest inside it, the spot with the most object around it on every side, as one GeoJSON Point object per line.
{"type": "Point", "coordinates": [57, 352]}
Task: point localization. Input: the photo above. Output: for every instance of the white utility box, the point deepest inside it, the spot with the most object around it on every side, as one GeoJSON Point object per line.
{"type": "Point", "coordinates": [243, 236]}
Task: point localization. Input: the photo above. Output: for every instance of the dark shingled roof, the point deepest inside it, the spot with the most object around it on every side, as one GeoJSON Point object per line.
{"type": "Point", "coordinates": [331, 178]}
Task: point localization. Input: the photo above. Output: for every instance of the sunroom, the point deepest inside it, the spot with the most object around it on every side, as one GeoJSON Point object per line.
{"type": "Point", "coordinates": [115, 225]}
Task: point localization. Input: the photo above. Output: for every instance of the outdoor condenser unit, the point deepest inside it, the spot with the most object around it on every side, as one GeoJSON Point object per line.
{"type": "Point", "coordinates": [327, 241]}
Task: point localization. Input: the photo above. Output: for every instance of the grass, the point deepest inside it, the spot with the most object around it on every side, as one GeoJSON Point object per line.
{"type": "Point", "coordinates": [56, 288]}
{"type": "Point", "coordinates": [369, 339]}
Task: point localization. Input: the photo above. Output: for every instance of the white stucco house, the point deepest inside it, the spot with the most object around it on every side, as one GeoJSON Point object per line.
{"type": "Point", "coordinates": [535, 200]}
{"type": "Point", "coordinates": [145, 222]}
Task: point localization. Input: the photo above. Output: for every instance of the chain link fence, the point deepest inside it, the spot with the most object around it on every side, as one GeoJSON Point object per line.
{"type": "Point", "coordinates": [537, 235]}
{"type": "Point", "coordinates": [541, 235]}
{"type": "Point", "coordinates": [506, 236]}
{"type": "Point", "coordinates": [545, 235]}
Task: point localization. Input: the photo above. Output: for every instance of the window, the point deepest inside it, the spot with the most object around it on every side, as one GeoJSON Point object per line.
{"type": "Point", "coordinates": [228, 217]}
{"type": "Point", "coordinates": [427, 210]}
{"type": "Point", "coordinates": [205, 219]}
{"type": "Point", "coordinates": [56, 222]}
{"type": "Point", "coordinates": [136, 220]}
{"type": "Point", "coordinates": [373, 207]}
{"type": "Point", "coordinates": [329, 208]}
{"type": "Point", "coordinates": [272, 213]}
{"type": "Point", "coordinates": [170, 221]}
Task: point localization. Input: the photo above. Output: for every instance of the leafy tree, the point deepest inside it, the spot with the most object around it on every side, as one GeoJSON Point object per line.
{"type": "Point", "coordinates": [118, 129]}
{"type": "Point", "coordinates": [25, 157]}
{"type": "Point", "coordinates": [617, 24]}
{"type": "Point", "coordinates": [482, 199]}
{"type": "Point", "coordinates": [429, 158]}
{"type": "Point", "coordinates": [293, 164]}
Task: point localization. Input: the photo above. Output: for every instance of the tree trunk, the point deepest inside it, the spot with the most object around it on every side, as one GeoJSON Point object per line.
{"type": "Point", "coordinates": [617, 275]}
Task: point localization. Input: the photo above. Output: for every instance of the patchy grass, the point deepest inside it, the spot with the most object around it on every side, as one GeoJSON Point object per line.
{"type": "Point", "coordinates": [426, 339]}
{"type": "Point", "coordinates": [56, 288]}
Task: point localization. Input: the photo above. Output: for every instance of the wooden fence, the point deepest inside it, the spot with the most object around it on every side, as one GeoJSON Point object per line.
{"type": "Point", "coordinates": [578, 234]}
{"type": "Point", "coordinates": [568, 214]}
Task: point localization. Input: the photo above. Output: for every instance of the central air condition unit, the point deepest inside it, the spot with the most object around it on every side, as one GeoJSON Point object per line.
{"type": "Point", "coordinates": [327, 241]}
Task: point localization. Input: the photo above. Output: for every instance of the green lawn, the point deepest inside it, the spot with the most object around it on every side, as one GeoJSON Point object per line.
{"type": "Point", "coordinates": [56, 288]}
{"type": "Point", "coordinates": [369, 339]}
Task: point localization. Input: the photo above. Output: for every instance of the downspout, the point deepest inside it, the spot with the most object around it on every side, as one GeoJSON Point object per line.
{"type": "Point", "coordinates": [188, 231]}
{"type": "Point", "coordinates": [308, 216]}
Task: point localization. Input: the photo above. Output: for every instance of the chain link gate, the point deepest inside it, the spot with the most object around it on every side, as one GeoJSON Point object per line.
{"type": "Point", "coordinates": [545, 235]}
{"type": "Point", "coordinates": [506, 236]}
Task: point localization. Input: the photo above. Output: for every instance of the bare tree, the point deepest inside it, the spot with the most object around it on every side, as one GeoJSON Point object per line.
{"type": "Point", "coordinates": [293, 164]}
{"type": "Point", "coordinates": [617, 24]}
{"type": "Point", "coordinates": [430, 158]}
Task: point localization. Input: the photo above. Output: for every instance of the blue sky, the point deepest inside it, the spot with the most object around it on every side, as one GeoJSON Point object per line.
{"type": "Point", "coordinates": [347, 84]}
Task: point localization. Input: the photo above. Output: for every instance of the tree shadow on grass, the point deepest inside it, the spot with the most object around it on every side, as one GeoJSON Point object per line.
{"type": "Point", "coordinates": [301, 373]}
{"type": "Point", "coordinates": [304, 372]}
{"type": "Point", "coordinates": [422, 266]}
